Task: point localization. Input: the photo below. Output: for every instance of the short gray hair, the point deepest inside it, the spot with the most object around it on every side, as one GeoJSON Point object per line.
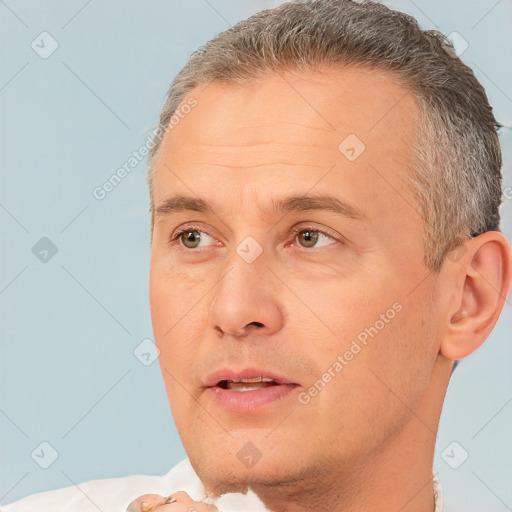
{"type": "Point", "coordinates": [455, 161]}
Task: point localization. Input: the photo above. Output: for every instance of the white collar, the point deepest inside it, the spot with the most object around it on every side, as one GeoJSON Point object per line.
{"type": "Point", "coordinates": [438, 494]}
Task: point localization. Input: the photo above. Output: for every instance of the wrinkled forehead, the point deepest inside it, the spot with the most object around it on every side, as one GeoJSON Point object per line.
{"type": "Point", "coordinates": [302, 116]}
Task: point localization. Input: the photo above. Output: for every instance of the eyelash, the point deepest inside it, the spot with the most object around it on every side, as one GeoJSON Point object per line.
{"type": "Point", "coordinates": [295, 231]}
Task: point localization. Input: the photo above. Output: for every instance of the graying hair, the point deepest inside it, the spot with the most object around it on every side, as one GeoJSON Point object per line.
{"type": "Point", "coordinates": [455, 162]}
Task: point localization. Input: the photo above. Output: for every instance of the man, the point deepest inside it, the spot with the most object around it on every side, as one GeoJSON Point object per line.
{"type": "Point", "coordinates": [325, 189]}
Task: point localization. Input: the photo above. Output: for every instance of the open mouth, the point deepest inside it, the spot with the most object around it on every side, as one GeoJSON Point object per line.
{"type": "Point", "coordinates": [235, 393]}
{"type": "Point", "coordinates": [247, 384]}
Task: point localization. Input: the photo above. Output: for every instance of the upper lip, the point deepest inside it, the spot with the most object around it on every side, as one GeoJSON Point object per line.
{"type": "Point", "coordinates": [247, 373]}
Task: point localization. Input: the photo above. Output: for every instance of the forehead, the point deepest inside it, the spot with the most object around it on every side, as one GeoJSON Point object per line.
{"type": "Point", "coordinates": [291, 127]}
{"type": "Point", "coordinates": [303, 117]}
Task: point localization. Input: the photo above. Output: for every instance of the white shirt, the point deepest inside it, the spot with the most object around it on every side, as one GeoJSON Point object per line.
{"type": "Point", "coordinates": [115, 494]}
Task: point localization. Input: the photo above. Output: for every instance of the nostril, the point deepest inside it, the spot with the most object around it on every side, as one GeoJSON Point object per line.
{"type": "Point", "coordinates": [257, 324]}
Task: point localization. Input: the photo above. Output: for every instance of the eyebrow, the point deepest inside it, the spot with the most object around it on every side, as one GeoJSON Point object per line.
{"type": "Point", "coordinates": [300, 203]}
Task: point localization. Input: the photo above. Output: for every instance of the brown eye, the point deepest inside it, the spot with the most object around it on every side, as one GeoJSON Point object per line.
{"type": "Point", "coordinates": [191, 238]}
{"type": "Point", "coordinates": [308, 238]}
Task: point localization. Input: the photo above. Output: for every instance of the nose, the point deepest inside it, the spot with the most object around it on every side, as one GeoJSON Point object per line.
{"type": "Point", "coordinates": [241, 332]}
{"type": "Point", "coordinates": [247, 301]}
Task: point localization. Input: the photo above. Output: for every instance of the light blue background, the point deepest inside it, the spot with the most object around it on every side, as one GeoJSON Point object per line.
{"type": "Point", "coordinates": [69, 326]}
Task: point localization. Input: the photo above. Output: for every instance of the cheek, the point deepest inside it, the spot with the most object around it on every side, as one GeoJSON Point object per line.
{"type": "Point", "coordinates": [398, 361]}
{"type": "Point", "coordinates": [158, 293]}
{"type": "Point", "coordinates": [347, 308]}
{"type": "Point", "coordinates": [170, 297]}
{"type": "Point", "coordinates": [382, 379]}
{"type": "Point", "coordinates": [377, 335]}
{"type": "Point", "coordinates": [171, 316]}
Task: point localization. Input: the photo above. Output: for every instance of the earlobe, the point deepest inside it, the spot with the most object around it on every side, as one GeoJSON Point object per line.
{"type": "Point", "coordinates": [478, 286]}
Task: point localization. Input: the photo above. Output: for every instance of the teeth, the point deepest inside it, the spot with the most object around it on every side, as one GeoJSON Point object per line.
{"type": "Point", "coordinates": [248, 384]}
{"type": "Point", "coordinates": [243, 386]}
{"type": "Point", "coordinates": [253, 379]}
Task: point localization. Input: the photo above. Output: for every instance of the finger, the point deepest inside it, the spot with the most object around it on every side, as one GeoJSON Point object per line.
{"type": "Point", "coordinates": [145, 503]}
{"type": "Point", "coordinates": [184, 503]}
{"type": "Point", "coordinates": [181, 497]}
{"type": "Point", "coordinates": [194, 506]}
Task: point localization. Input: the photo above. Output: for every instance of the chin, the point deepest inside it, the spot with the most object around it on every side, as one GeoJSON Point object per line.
{"type": "Point", "coordinates": [225, 473]}
{"type": "Point", "coordinates": [220, 479]}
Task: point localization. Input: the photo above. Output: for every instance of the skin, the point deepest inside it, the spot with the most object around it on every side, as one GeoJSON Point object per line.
{"type": "Point", "coordinates": [156, 502]}
{"type": "Point", "coordinates": [366, 441]}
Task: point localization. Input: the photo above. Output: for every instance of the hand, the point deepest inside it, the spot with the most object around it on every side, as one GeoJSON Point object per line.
{"type": "Point", "coordinates": [157, 503]}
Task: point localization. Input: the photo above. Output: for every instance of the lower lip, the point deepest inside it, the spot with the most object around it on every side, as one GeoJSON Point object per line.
{"type": "Point", "coordinates": [248, 401]}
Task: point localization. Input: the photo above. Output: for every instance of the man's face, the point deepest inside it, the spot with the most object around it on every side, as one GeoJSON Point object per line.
{"type": "Point", "coordinates": [349, 283]}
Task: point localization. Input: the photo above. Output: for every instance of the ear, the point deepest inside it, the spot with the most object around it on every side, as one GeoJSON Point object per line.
{"type": "Point", "coordinates": [476, 279]}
